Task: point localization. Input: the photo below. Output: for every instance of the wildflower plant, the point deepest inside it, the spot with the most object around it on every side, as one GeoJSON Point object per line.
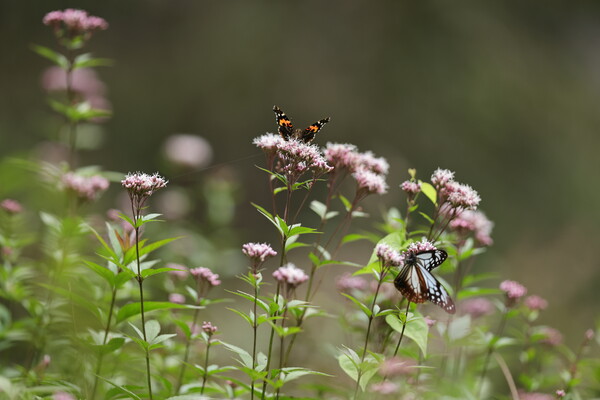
{"type": "Point", "coordinates": [416, 318]}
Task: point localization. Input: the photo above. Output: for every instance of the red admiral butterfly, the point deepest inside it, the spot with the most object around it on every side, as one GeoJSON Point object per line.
{"type": "Point", "coordinates": [287, 131]}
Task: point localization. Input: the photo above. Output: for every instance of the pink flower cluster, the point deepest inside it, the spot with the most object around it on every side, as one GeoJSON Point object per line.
{"type": "Point", "coordinates": [535, 303]}
{"type": "Point", "coordinates": [553, 337]}
{"type": "Point", "coordinates": [534, 396]}
{"type": "Point", "coordinates": [347, 283]}
{"type": "Point", "coordinates": [294, 158]}
{"type": "Point", "coordinates": [385, 387]}
{"type": "Point", "coordinates": [397, 366]}
{"type": "Point", "coordinates": [411, 187]}
{"type": "Point", "coordinates": [418, 247]}
{"type": "Point", "coordinates": [341, 155]}
{"type": "Point", "coordinates": [205, 275]}
{"type": "Point", "coordinates": [469, 221]}
{"type": "Point", "coordinates": [74, 22]}
{"type": "Point", "coordinates": [477, 307]}
{"type": "Point", "coordinates": [62, 396]}
{"type": "Point", "coordinates": [143, 185]}
{"type": "Point", "coordinates": [460, 196]}
{"type": "Point", "coordinates": [11, 206]}
{"type": "Point", "coordinates": [209, 328]}
{"type": "Point", "coordinates": [180, 272]}
{"type": "Point", "coordinates": [176, 298]}
{"type": "Point", "coordinates": [258, 252]}
{"type": "Point", "coordinates": [370, 182]}
{"type": "Point", "coordinates": [513, 290]}
{"type": "Point", "coordinates": [290, 275]}
{"type": "Point", "coordinates": [388, 256]}
{"type": "Point", "coordinates": [86, 188]}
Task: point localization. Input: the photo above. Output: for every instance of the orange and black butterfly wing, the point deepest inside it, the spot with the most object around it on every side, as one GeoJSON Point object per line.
{"type": "Point", "coordinates": [286, 129]}
{"type": "Point", "coordinates": [309, 133]}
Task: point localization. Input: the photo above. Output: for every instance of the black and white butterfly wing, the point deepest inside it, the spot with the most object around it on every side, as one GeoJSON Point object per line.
{"type": "Point", "coordinates": [431, 259]}
{"type": "Point", "coordinates": [418, 285]}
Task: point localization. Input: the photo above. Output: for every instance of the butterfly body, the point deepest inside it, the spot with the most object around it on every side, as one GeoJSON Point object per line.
{"type": "Point", "coordinates": [287, 130]}
{"type": "Point", "coordinates": [418, 285]}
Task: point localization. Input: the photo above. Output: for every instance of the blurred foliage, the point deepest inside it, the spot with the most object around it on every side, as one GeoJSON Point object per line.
{"type": "Point", "coordinates": [503, 93]}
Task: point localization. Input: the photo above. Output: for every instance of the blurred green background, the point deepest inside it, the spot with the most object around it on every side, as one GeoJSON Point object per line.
{"type": "Point", "coordinates": [504, 93]}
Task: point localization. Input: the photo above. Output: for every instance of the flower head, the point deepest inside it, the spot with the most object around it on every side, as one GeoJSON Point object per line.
{"type": "Point", "coordinates": [347, 283]}
{"type": "Point", "coordinates": [388, 256]}
{"type": "Point", "coordinates": [385, 387]}
{"type": "Point", "coordinates": [513, 290]}
{"type": "Point", "coordinates": [140, 186]}
{"type": "Point", "coordinates": [410, 187]}
{"type": "Point", "coordinates": [429, 321]}
{"type": "Point", "coordinates": [534, 396]}
{"type": "Point", "coordinates": [476, 222]}
{"type": "Point", "coordinates": [477, 307]}
{"type": "Point", "coordinates": [341, 155]}
{"type": "Point", "coordinates": [177, 298]}
{"type": "Point", "coordinates": [86, 188]}
{"type": "Point", "coordinates": [419, 247]}
{"type": "Point", "coordinates": [72, 23]}
{"type": "Point", "coordinates": [179, 272]}
{"type": "Point", "coordinates": [589, 334]}
{"type": "Point", "coordinates": [441, 177]}
{"type": "Point", "coordinates": [552, 337]}
{"type": "Point", "coordinates": [397, 366]}
{"type": "Point", "coordinates": [258, 253]}
{"type": "Point", "coordinates": [369, 162]}
{"type": "Point", "coordinates": [188, 151]}
{"type": "Point", "coordinates": [560, 393]}
{"type": "Point", "coordinates": [290, 276]}
{"type": "Point", "coordinates": [62, 396]}
{"type": "Point", "coordinates": [369, 182]}
{"type": "Point", "coordinates": [202, 274]}
{"type": "Point", "coordinates": [11, 206]}
{"type": "Point", "coordinates": [535, 303]}
{"type": "Point", "coordinates": [209, 328]}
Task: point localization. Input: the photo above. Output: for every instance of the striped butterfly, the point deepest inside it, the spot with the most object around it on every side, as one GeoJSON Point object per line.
{"type": "Point", "coordinates": [418, 285]}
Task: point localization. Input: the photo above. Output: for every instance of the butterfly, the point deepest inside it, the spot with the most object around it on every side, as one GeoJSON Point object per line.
{"type": "Point", "coordinates": [416, 282]}
{"type": "Point", "coordinates": [287, 131]}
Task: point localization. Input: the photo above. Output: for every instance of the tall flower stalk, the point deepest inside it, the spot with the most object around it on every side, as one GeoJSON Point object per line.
{"type": "Point", "coordinates": [140, 187]}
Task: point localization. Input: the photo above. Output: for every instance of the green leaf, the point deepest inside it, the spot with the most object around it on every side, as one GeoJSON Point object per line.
{"type": "Point", "coordinates": [363, 307]}
{"type": "Point", "coordinates": [353, 237]}
{"type": "Point", "coordinates": [429, 191]}
{"type": "Point", "coordinates": [300, 230]}
{"type": "Point", "coordinates": [121, 389]}
{"type": "Point", "coordinates": [245, 316]}
{"type": "Point", "coordinates": [319, 208]}
{"type": "Point", "coordinates": [112, 345]}
{"type": "Point", "coordinates": [245, 357]}
{"type": "Point", "coordinates": [87, 61]}
{"type": "Point", "coordinates": [132, 309]}
{"type": "Point", "coordinates": [459, 327]}
{"type": "Point", "coordinates": [416, 329]}
{"type": "Point", "coordinates": [156, 245]}
{"type": "Point", "coordinates": [152, 330]}
{"type": "Point", "coordinates": [51, 55]}
{"type": "Point", "coordinates": [101, 271]}
{"type": "Point", "coordinates": [427, 217]}
{"type": "Point", "coordinates": [149, 272]}
{"type": "Point", "coordinates": [347, 203]}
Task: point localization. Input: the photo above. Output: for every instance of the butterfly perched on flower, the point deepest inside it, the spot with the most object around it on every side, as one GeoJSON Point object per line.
{"type": "Point", "coordinates": [287, 130]}
{"type": "Point", "coordinates": [416, 282]}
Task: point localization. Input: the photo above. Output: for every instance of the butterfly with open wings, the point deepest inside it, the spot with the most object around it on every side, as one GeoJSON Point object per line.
{"type": "Point", "coordinates": [416, 282]}
{"type": "Point", "coordinates": [287, 130]}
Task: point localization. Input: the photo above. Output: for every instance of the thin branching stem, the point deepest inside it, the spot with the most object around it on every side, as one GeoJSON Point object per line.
{"type": "Point", "coordinates": [186, 354]}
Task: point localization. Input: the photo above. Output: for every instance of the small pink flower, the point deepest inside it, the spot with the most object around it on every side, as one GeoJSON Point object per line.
{"type": "Point", "coordinates": [385, 387]}
{"type": "Point", "coordinates": [188, 151]}
{"type": "Point", "coordinates": [63, 396]}
{"type": "Point", "coordinates": [553, 337]}
{"type": "Point", "coordinates": [368, 161]}
{"type": "Point", "coordinates": [397, 366]}
{"type": "Point", "coordinates": [258, 252]}
{"type": "Point", "coordinates": [370, 182]}
{"type": "Point", "coordinates": [419, 247]}
{"type": "Point", "coordinates": [429, 321]}
{"type": "Point", "coordinates": [268, 142]}
{"type": "Point", "coordinates": [534, 396]}
{"type": "Point", "coordinates": [441, 177]}
{"type": "Point", "coordinates": [290, 275]}
{"type": "Point", "coordinates": [535, 303]}
{"type": "Point", "coordinates": [140, 186]}
{"type": "Point", "coordinates": [388, 256]}
{"type": "Point", "coordinates": [462, 196]}
{"type": "Point", "coordinates": [181, 272]}
{"type": "Point", "coordinates": [476, 222]}
{"type": "Point", "coordinates": [347, 283]}
{"type": "Point", "coordinates": [86, 188]}
{"type": "Point", "coordinates": [560, 393]}
{"type": "Point", "coordinates": [177, 298]}
{"type": "Point", "coordinates": [11, 206]}
{"type": "Point", "coordinates": [341, 155]}
{"type": "Point", "coordinates": [514, 290]}
{"type": "Point", "coordinates": [205, 275]}
{"type": "Point", "coordinates": [208, 328]}
{"type": "Point", "coordinates": [411, 187]}
{"type": "Point", "coordinates": [477, 307]}
{"type": "Point", "coordinates": [589, 334]}
{"type": "Point", "coordinates": [74, 22]}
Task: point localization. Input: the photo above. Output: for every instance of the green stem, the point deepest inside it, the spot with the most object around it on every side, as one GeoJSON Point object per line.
{"type": "Point", "coordinates": [187, 353]}
{"type": "Point", "coordinates": [254, 334]}
{"type": "Point", "coordinates": [270, 351]}
{"type": "Point", "coordinates": [106, 330]}
{"type": "Point", "coordinates": [205, 375]}
{"type": "Point", "coordinates": [490, 350]}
